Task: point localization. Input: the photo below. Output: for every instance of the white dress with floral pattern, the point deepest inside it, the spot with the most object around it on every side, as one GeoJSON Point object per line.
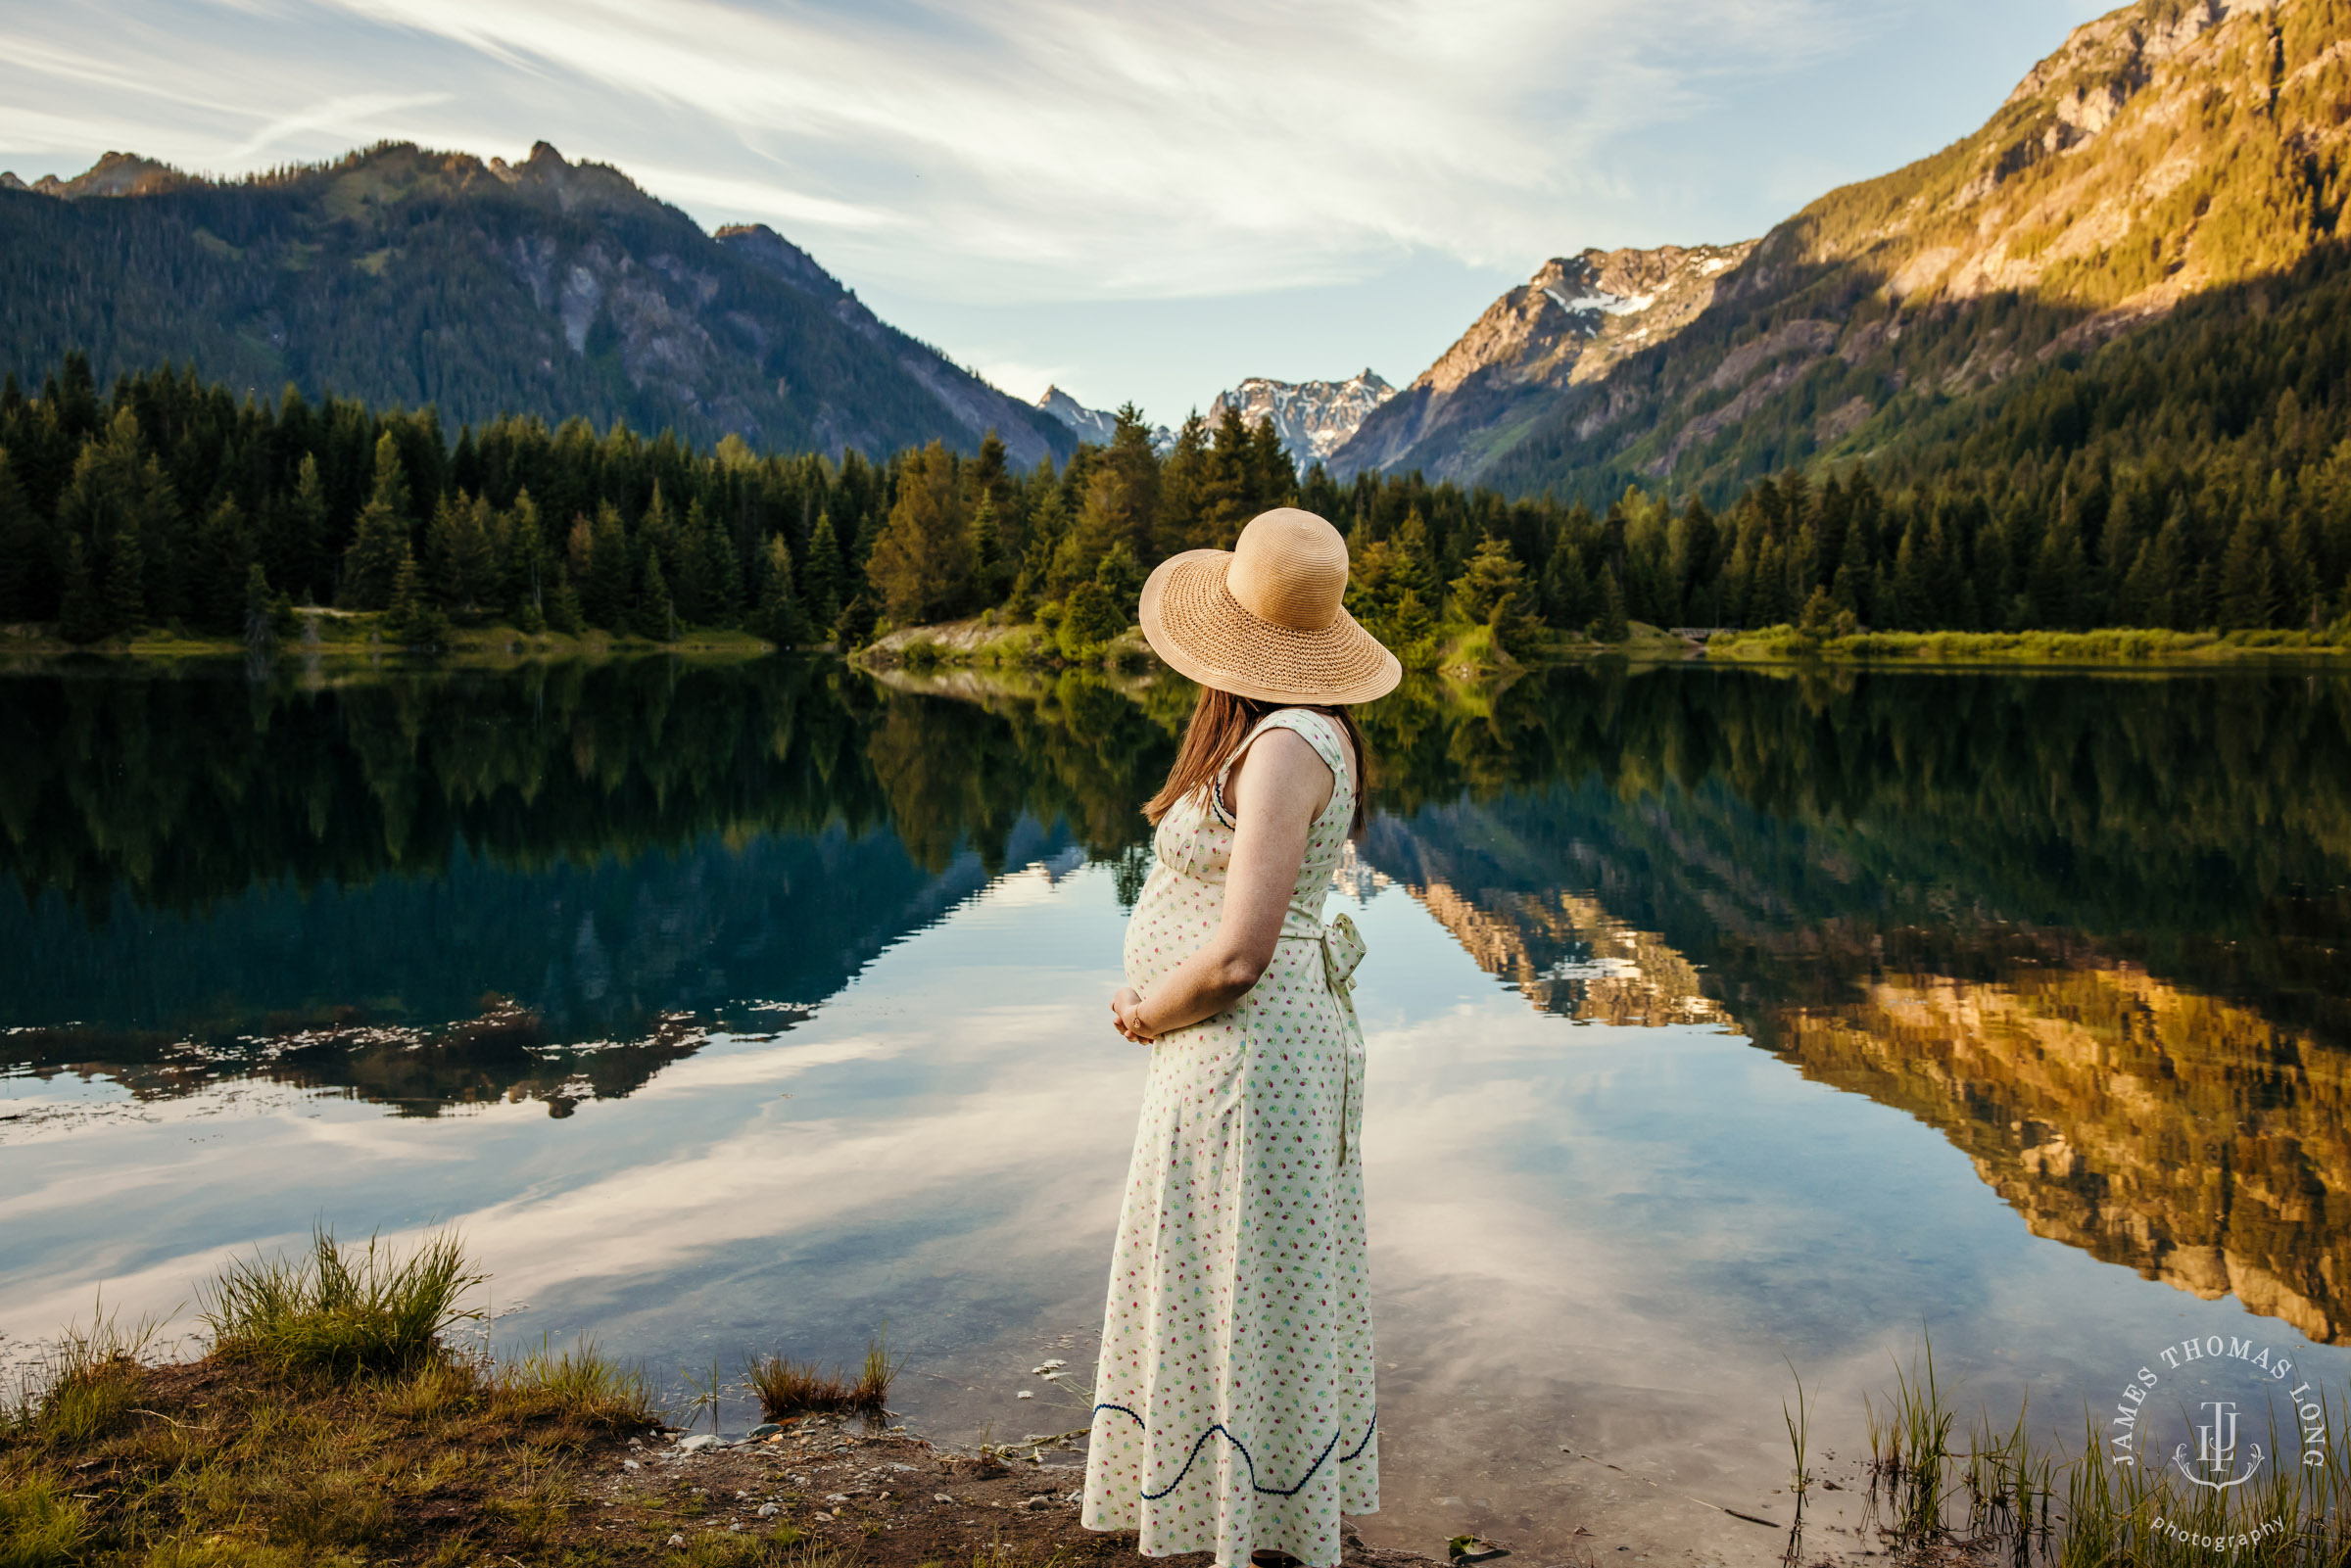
{"type": "Point", "coordinates": [1234, 1408]}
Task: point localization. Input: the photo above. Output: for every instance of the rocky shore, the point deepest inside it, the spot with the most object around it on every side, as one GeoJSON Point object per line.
{"type": "Point", "coordinates": [889, 1498]}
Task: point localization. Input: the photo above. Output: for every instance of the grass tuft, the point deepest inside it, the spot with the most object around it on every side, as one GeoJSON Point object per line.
{"type": "Point", "coordinates": [40, 1527]}
{"type": "Point", "coordinates": [790, 1387]}
{"type": "Point", "coordinates": [87, 1384]}
{"type": "Point", "coordinates": [343, 1310]}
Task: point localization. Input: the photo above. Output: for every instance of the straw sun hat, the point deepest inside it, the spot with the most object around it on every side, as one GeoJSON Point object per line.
{"type": "Point", "coordinates": [1262, 620]}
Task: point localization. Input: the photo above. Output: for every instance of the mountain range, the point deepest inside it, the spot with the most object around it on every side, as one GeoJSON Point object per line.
{"type": "Point", "coordinates": [406, 276]}
{"type": "Point", "coordinates": [2167, 152]}
{"type": "Point", "coordinates": [1312, 418]}
{"type": "Point", "coordinates": [2173, 153]}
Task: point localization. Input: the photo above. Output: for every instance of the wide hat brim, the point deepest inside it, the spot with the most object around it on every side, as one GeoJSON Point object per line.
{"type": "Point", "coordinates": [1192, 621]}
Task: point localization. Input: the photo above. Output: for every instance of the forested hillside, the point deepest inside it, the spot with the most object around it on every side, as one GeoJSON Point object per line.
{"type": "Point", "coordinates": [408, 277]}
{"type": "Point", "coordinates": [2167, 154]}
{"type": "Point", "coordinates": [169, 501]}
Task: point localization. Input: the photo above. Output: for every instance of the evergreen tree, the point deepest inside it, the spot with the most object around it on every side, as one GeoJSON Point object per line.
{"type": "Point", "coordinates": [822, 590]}
{"type": "Point", "coordinates": [563, 608]}
{"type": "Point", "coordinates": [1612, 625]}
{"type": "Point", "coordinates": [82, 613]}
{"type": "Point", "coordinates": [1568, 597]}
{"type": "Point", "coordinates": [656, 615]}
{"type": "Point", "coordinates": [1819, 617]}
{"type": "Point", "coordinates": [261, 625]}
{"type": "Point", "coordinates": [1386, 593]}
{"type": "Point", "coordinates": [921, 562]}
{"type": "Point", "coordinates": [726, 577]}
{"type": "Point", "coordinates": [608, 593]}
{"type": "Point", "coordinates": [1492, 591]}
{"type": "Point", "coordinates": [781, 620]}
{"type": "Point", "coordinates": [1225, 491]}
{"type": "Point", "coordinates": [1121, 576]}
{"type": "Point", "coordinates": [1274, 473]}
{"type": "Point", "coordinates": [125, 585]}
{"type": "Point", "coordinates": [383, 537]}
{"type": "Point", "coordinates": [460, 561]}
{"type": "Point", "coordinates": [698, 593]}
{"type": "Point", "coordinates": [991, 572]}
{"type": "Point", "coordinates": [24, 590]}
{"type": "Point", "coordinates": [1090, 619]}
{"type": "Point", "coordinates": [413, 617]}
{"type": "Point", "coordinates": [1180, 525]}
{"type": "Point", "coordinates": [2247, 585]}
{"type": "Point", "coordinates": [224, 556]}
{"type": "Point", "coordinates": [298, 542]}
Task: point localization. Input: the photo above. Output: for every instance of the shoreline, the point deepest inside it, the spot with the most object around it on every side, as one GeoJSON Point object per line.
{"type": "Point", "coordinates": [2112, 647]}
{"type": "Point", "coordinates": [353, 637]}
{"type": "Point", "coordinates": [459, 1461]}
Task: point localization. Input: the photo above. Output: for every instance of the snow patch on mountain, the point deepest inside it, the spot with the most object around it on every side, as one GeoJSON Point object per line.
{"type": "Point", "coordinates": [1312, 418]}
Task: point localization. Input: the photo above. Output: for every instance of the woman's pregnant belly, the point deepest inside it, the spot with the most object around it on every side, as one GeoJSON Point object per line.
{"type": "Point", "coordinates": [1172, 920]}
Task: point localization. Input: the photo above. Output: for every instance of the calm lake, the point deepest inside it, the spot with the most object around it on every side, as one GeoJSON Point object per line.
{"type": "Point", "coordinates": [1724, 1025]}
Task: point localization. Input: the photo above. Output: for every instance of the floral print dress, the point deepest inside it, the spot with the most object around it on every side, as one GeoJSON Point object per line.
{"type": "Point", "coordinates": [1234, 1405]}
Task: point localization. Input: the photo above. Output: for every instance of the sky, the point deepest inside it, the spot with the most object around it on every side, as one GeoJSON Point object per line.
{"type": "Point", "coordinates": [1133, 201]}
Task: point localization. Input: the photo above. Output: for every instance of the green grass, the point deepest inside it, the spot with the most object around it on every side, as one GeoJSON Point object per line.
{"type": "Point", "coordinates": [342, 636]}
{"type": "Point", "coordinates": [2110, 646]}
{"type": "Point", "coordinates": [341, 1311]}
{"type": "Point", "coordinates": [40, 1526]}
{"type": "Point", "coordinates": [329, 1425]}
{"type": "Point", "coordinates": [581, 1382]}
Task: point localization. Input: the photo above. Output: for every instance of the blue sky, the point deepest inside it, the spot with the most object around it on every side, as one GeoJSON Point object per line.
{"type": "Point", "coordinates": [1144, 201]}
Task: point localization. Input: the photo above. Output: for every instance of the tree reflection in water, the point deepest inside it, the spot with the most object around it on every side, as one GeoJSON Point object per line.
{"type": "Point", "coordinates": [2092, 928]}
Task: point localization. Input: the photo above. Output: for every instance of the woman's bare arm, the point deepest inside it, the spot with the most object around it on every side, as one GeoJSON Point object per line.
{"type": "Point", "coordinates": [1280, 787]}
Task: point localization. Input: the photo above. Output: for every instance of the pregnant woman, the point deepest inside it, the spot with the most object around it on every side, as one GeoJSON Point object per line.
{"type": "Point", "coordinates": [1234, 1406]}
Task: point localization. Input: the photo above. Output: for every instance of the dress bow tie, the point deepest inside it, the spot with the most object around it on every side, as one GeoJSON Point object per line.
{"type": "Point", "coordinates": [1342, 950]}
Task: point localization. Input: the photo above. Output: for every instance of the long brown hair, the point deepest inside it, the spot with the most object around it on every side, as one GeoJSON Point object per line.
{"type": "Point", "coordinates": [1219, 724]}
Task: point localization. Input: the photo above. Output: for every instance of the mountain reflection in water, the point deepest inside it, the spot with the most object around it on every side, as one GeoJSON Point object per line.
{"type": "Point", "coordinates": [2092, 930]}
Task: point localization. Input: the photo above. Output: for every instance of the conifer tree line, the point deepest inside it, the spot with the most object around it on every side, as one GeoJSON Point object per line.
{"type": "Point", "coordinates": [167, 502]}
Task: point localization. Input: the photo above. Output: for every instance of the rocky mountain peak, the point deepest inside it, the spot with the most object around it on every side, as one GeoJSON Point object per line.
{"type": "Point", "coordinates": [114, 174]}
{"type": "Point", "coordinates": [1314, 418]}
{"type": "Point", "coordinates": [1095, 426]}
{"type": "Point", "coordinates": [1580, 313]}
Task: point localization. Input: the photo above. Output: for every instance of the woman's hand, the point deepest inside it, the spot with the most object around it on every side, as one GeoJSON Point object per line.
{"type": "Point", "coordinates": [1127, 1015]}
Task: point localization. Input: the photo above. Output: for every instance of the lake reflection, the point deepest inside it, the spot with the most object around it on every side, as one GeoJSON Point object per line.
{"type": "Point", "coordinates": [1829, 1006]}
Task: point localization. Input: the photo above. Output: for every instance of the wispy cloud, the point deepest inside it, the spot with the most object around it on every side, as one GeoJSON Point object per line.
{"type": "Point", "coordinates": [1044, 147]}
{"type": "Point", "coordinates": [1152, 199]}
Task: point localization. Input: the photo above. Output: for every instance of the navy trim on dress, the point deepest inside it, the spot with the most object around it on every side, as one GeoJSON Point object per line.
{"type": "Point", "coordinates": [1254, 1485]}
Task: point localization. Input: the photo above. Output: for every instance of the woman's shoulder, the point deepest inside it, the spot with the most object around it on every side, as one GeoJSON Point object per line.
{"type": "Point", "coordinates": [1317, 730]}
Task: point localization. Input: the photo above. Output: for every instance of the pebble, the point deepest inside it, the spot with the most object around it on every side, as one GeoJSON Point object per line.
{"type": "Point", "coordinates": [768, 1511]}
{"type": "Point", "coordinates": [765, 1429]}
{"type": "Point", "coordinates": [941, 1498]}
{"type": "Point", "coordinates": [1024, 1395]}
{"type": "Point", "coordinates": [836, 1496]}
{"type": "Point", "coordinates": [696, 1444]}
{"type": "Point", "coordinates": [677, 1541]}
{"type": "Point", "coordinates": [630, 1464]}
